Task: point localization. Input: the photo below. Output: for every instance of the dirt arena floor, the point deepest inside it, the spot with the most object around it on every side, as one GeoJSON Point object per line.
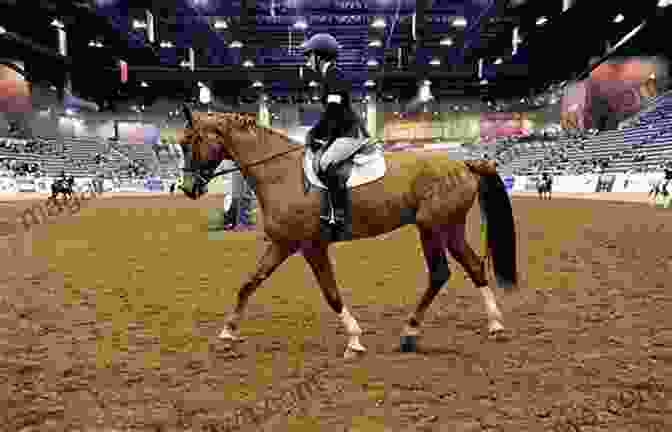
{"type": "Point", "coordinates": [109, 319]}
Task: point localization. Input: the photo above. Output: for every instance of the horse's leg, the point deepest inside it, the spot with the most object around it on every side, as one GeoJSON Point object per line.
{"type": "Point", "coordinates": [475, 267]}
{"type": "Point", "coordinates": [318, 259]}
{"type": "Point", "coordinates": [274, 255]}
{"type": "Point", "coordinates": [438, 273]}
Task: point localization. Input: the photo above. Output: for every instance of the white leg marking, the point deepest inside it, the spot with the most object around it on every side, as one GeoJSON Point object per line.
{"type": "Point", "coordinates": [354, 331]}
{"type": "Point", "coordinates": [491, 309]}
{"type": "Point", "coordinates": [410, 331]}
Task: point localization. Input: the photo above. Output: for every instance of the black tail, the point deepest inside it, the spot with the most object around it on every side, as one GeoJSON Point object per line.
{"type": "Point", "coordinates": [497, 216]}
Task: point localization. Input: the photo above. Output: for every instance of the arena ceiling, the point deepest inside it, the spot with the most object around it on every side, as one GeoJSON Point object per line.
{"type": "Point", "coordinates": [439, 40]}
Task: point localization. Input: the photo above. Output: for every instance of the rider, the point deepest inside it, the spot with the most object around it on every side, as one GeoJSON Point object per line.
{"type": "Point", "coordinates": [338, 120]}
{"type": "Point", "coordinates": [667, 168]}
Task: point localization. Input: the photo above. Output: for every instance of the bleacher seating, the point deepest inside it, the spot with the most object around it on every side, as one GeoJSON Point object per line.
{"type": "Point", "coordinates": [649, 132]}
{"type": "Point", "coordinates": [76, 156]}
{"type": "Point", "coordinates": [138, 152]}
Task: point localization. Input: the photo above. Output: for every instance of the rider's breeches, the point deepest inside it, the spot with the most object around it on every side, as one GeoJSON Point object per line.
{"type": "Point", "coordinates": [333, 180]}
{"type": "Point", "coordinates": [340, 150]}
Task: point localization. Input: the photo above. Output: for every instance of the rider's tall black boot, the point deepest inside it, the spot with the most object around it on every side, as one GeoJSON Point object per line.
{"type": "Point", "coordinates": [326, 216]}
{"type": "Point", "coordinates": [343, 213]}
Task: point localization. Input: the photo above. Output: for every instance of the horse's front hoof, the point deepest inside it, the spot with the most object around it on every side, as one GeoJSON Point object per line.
{"type": "Point", "coordinates": [495, 327]}
{"type": "Point", "coordinates": [228, 335]}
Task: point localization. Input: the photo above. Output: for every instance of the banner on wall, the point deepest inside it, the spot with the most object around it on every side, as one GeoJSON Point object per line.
{"type": "Point", "coordinates": [620, 87]}
{"type": "Point", "coordinates": [575, 104]}
{"type": "Point", "coordinates": [14, 89]}
{"type": "Point", "coordinates": [139, 133]}
{"type": "Point", "coordinates": [153, 184]}
{"type": "Point", "coordinates": [500, 124]}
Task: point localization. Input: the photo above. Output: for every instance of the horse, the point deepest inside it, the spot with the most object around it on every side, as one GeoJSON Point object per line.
{"type": "Point", "coordinates": [429, 191]}
{"type": "Point", "coordinates": [544, 186]}
{"type": "Point", "coordinates": [62, 186]}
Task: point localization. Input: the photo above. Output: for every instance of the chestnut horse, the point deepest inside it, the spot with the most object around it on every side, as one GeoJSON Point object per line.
{"type": "Point", "coordinates": [428, 190]}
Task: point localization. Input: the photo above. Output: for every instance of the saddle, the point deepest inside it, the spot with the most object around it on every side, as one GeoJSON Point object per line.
{"type": "Point", "coordinates": [365, 165]}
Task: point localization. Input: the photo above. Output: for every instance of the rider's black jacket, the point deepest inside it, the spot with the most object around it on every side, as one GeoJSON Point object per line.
{"type": "Point", "coordinates": [338, 119]}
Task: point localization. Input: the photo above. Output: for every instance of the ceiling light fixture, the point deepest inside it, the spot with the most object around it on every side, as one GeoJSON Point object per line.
{"type": "Point", "coordinates": [301, 24]}
{"type": "Point", "coordinates": [137, 24]}
{"type": "Point", "coordinates": [460, 22]}
{"type": "Point", "coordinates": [378, 23]}
{"type": "Point", "coordinates": [446, 41]}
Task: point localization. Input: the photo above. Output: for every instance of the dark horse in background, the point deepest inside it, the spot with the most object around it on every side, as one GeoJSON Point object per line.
{"type": "Point", "coordinates": [544, 186]}
{"type": "Point", "coordinates": [62, 186]}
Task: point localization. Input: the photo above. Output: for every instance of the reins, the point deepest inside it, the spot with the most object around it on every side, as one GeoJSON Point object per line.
{"type": "Point", "coordinates": [259, 162]}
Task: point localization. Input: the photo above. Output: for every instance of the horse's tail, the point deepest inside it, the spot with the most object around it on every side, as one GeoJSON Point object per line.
{"type": "Point", "coordinates": [498, 231]}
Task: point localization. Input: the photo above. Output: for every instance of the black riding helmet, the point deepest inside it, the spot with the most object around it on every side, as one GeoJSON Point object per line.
{"type": "Point", "coordinates": [323, 45]}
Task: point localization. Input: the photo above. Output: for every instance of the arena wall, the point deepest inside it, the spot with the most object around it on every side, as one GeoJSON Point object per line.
{"type": "Point", "coordinates": [618, 187]}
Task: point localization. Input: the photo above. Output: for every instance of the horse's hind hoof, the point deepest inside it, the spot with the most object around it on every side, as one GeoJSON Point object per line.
{"type": "Point", "coordinates": [497, 332]}
{"type": "Point", "coordinates": [353, 354]}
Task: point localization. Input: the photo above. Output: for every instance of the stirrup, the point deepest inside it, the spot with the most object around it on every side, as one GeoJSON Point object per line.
{"type": "Point", "coordinates": [331, 219]}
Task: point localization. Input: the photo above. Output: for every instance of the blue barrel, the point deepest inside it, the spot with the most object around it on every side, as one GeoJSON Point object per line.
{"type": "Point", "coordinates": [508, 184]}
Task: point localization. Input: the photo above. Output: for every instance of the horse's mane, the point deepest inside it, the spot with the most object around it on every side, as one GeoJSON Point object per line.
{"type": "Point", "coordinates": [223, 122]}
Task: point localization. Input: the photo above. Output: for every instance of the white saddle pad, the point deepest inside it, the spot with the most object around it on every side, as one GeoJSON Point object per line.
{"type": "Point", "coordinates": [366, 169]}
